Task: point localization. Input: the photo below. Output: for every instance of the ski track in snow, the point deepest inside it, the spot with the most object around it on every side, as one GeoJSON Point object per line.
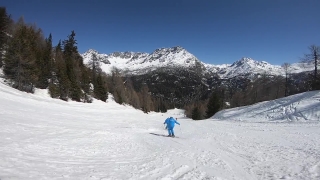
{"type": "Point", "coordinates": [43, 138]}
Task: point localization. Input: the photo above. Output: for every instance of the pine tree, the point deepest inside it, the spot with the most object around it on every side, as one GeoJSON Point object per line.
{"type": "Point", "coordinates": [214, 105]}
{"type": "Point", "coordinates": [61, 71]}
{"type": "Point", "coordinates": [45, 64]}
{"type": "Point", "coordinates": [196, 115]}
{"type": "Point", "coordinates": [85, 83]}
{"type": "Point", "coordinates": [4, 24]}
{"type": "Point", "coordinates": [21, 56]}
{"type": "Point", "coordinates": [100, 89]}
{"type": "Point", "coordinates": [162, 106]}
{"type": "Point", "coordinates": [70, 53]}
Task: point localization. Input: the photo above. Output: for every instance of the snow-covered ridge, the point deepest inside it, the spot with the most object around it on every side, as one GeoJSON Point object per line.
{"type": "Point", "coordinates": [248, 65]}
{"type": "Point", "coordinates": [303, 107]}
{"type": "Point", "coordinates": [141, 62]}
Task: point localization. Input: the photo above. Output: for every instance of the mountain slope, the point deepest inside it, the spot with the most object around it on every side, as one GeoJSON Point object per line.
{"type": "Point", "coordinates": [299, 107]}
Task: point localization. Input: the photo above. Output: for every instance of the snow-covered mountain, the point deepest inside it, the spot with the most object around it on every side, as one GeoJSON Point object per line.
{"type": "Point", "coordinates": [140, 63]}
{"type": "Point", "coordinates": [248, 65]}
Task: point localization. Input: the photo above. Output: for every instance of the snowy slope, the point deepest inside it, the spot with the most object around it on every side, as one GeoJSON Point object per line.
{"type": "Point", "coordinates": [300, 107]}
{"type": "Point", "coordinates": [45, 138]}
{"type": "Point", "coordinates": [140, 63]}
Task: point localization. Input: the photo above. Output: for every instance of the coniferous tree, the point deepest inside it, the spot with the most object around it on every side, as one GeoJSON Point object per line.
{"type": "Point", "coordinates": [62, 77]}
{"type": "Point", "coordinates": [45, 64]}
{"type": "Point", "coordinates": [196, 115]}
{"type": "Point", "coordinates": [85, 83]}
{"type": "Point", "coordinates": [83, 75]}
{"type": "Point", "coordinates": [54, 88]}
{"type": "Point", "coordinates": [4, 23]}
{"type": "Point", "coordinates": [162, 106]}
{"type": "Point", "coordinates": [14, 58]}
{"type": "Point", "coordinates": [214, 105]}
{"type": "Point", "coordinates": [98, 82]}
{"type": "Point", "coordinates": [21, 56]}
{"type": "Point", "coordinates": [100, 89]}
{"type": "Point", "coordinates": [93, 64]}
{"type": "Point", "coordinates": [70, 56]}
{"type": "Point", "coordinates": [6, 31]}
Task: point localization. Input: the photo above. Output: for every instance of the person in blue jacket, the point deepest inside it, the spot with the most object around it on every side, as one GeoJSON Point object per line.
{"type": "Point", "coordinates": [170, 125]}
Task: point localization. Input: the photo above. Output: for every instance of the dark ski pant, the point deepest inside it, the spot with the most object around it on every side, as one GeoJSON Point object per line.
{"type": "Point", "coordinates": [170, 131]}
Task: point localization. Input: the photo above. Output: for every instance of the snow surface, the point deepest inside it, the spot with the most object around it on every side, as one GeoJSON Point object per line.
{"type": "Point", "coordinates": [44, 138]}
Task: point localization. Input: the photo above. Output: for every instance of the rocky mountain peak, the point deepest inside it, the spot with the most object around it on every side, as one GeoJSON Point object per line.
{"type": "Point", "coordinates": [90, 51]}
{"type": "Point", "coordinates": [140, 63]}
{"type": "Point", "coordinates": [243, 61]}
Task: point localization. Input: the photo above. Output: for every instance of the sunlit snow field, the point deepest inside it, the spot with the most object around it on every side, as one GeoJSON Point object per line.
{"type": "Point", "coordinates": [44, 138]}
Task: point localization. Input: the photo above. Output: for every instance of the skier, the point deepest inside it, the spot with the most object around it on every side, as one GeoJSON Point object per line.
{"type": "Point", "coordinates": [170, 125]}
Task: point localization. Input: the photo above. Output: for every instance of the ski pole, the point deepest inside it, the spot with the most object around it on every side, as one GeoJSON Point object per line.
{"type": "Point", "coordinates": [180, 129]}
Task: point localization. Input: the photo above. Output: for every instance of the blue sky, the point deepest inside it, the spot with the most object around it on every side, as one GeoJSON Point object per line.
{"type": "Point", "coordinates": [215, 31]}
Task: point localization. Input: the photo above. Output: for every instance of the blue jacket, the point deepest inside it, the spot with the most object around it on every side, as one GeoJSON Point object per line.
{"type": "Point", "coordinates": [170, 122]}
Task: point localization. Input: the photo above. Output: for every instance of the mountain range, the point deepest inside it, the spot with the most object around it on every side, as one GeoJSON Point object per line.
{"type": "Point", "coordinates": [137, 63]}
